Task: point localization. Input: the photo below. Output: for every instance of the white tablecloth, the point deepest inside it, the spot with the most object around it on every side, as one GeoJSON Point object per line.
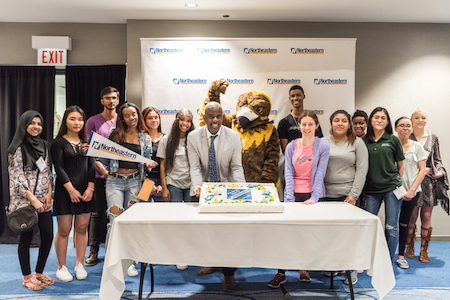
{"type": "Point", "coordinates": [323, 236]}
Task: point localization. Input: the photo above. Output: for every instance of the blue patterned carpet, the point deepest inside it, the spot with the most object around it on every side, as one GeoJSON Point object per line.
{"type": "Point", "coordinates": [421, 281]}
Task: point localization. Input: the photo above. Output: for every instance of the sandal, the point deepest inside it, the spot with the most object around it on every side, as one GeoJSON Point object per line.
{"type": "Point", "coordinates": [32, 284]}
{"type": "Point", "coordinates": [45, 279]}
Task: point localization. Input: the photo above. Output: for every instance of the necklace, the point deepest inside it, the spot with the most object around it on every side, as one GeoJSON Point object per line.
{"type": "Point", "coordinates": [295, 120]}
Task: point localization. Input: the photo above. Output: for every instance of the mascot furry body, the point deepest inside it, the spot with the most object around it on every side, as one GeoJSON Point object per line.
{"type": "Point", "coordinates": [260, 142]}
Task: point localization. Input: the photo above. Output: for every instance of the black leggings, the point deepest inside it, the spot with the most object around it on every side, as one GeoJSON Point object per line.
{"type": "Point", "coordinates": [46, 228]}
{"type": "Point", "coordinates": [299, 197]}
{"type": "Point", "coordinates": [302, 197]}
{"type": "Point", "coordinates": [405, 215]}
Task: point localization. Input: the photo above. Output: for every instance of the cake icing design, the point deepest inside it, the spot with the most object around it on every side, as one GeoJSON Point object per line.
{"type": "Point", "coordinates": [239, 198]}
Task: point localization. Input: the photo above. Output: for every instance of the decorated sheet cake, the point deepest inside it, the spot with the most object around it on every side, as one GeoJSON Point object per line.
{"type": "Point", "coordinates": [227, 197]}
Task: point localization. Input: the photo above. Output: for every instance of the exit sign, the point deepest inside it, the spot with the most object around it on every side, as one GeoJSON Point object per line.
{"type": "Point", "coordinates": [52, 57]}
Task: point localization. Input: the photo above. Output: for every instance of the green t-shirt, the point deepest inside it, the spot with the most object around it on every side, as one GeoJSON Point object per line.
{"type": "Point", "coordinates": [383, 175]}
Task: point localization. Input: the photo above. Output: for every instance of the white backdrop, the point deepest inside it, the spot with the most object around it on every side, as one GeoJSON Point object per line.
{"type": "Point", "coordinates": [177, 73]}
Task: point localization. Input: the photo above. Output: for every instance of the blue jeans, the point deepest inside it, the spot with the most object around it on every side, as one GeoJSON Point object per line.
{"type": "Point", "coordinates": [121, 193]}
{"type": "Point", "coordinates": [178, 195]}
{"type": "Point", "coordinates": [392, 210]}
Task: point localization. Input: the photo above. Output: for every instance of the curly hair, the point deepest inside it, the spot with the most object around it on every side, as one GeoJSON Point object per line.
{"type": "Point", "coordinates": [173, 139]}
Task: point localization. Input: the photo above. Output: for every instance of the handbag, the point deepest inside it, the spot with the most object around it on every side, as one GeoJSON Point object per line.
{"type": "Point", "coordinates": [25, 218]}
{"type": "Point", "coordinates": [441, 194]}
{"type": "Point", "coordinates": [441, 190]}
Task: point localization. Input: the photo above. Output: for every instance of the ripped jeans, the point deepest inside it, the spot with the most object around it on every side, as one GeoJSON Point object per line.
{"type": "Point", "coordinates": [392, 211]}
{"type": "Point", "coordinates": [122, 194]}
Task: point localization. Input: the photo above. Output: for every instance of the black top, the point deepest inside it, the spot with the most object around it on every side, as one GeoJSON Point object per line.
{"type": "Point", "coordinates": [71, 166]}
{"type": "Point", "coordinates": [288, 129]}
{"type": "Point", "coordinates": [123, 164]}
{"type": "Point", "coordinates": [155, 172]}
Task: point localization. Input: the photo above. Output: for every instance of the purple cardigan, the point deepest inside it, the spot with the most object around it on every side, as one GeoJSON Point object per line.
{"type": "Point", "coordinates": [321, 152]}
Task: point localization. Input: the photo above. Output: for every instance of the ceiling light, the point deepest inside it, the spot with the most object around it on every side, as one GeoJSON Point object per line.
{"type": "Point", "coordinates": [191, 5]}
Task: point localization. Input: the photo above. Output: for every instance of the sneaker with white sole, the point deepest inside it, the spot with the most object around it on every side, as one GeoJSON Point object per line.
{"type": "Point", "coordinates": [182, 267]}
{"type": "Point", "coordinates": [402, 263]}
{"type": "Point", "coordinates": [80, 271]}
{"type": "Point", "coordinates": [304, 276]}
{"type": "Point", "coordinates": [63, 274]}
{"type": "Point", "coordinates": [132, 272]}
{"type": "Point", "coordinates": [277, 280]}
{"type": "Point", "coordinates": [354, 276]}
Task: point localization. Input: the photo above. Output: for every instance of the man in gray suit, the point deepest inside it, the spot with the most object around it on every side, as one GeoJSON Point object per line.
{"type": "Point", "coordinates": [216, 161]}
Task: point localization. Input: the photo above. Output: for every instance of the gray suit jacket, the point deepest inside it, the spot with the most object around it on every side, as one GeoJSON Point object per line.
{"type": "Point", "coordinates": [228, 159]}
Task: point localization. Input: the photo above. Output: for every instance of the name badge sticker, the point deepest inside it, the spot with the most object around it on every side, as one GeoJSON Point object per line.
{"type": "Point", "coordinates": [40, 163]}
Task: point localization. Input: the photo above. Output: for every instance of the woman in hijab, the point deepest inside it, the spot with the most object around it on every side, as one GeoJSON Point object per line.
{"type": "Point", "coordinates": [30, 181]}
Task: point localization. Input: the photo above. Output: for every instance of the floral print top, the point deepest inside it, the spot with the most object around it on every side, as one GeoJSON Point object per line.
{"type": "Point", "coordinates": [22, 180]}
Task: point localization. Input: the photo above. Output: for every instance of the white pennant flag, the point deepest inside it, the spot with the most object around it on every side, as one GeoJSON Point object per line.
{"type": "Point", "coordinates": [100, 146]}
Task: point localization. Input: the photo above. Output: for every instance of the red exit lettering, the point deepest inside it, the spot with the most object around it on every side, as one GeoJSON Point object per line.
{"type": "Point", "coordinates": [52, 57]}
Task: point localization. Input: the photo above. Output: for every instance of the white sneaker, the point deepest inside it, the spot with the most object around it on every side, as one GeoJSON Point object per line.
{"type": "Point", "coordinates": [80, 271]}
{"type": "Point", "coordinates": [64, 275]}
{"type": "Point", "coordinates": [182, 267]}
{"type": "Point", "coordinates": [132, 272]}
{"type": "Point", "coordinates": [354, 276]}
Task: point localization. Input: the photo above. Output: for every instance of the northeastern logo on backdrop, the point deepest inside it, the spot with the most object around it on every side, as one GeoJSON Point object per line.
{"type": "Point", "coordinates": [189, 81]}
{"type": "Point", "coordinates": [213, 51]}
{"type": "Point", "coordinates": [239, 80]}
{"type": "Point", "coordinates": [283, 81]}
{"type": "Point", "coordinates": [260, 51]}
{"type": "Point", "coordinates": [166, 50]}
{"type": "Point", "coordinates": [307, 51]}
{"type": "Point", "coordinates": [329, 81]}
{"type": "Point", "coordinates": [318, 111]}
{"type": "Point", "coordinates": [168, 111]}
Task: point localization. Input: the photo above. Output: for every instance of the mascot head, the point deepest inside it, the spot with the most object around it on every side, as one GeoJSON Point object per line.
{"type": "Point", "coordinates": [251, 106]}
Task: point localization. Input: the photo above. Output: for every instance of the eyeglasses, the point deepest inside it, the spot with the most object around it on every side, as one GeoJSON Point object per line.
{"type": "Point", "coordinates": [110, 98]}
{"type": "Point", "coordinates": [404, 126]}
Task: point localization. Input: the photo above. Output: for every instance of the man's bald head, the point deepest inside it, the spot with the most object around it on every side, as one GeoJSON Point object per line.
{"type": "Point", "coordinates": [213, 116]}
{"type": "Point", "coordinates": [212, 105]}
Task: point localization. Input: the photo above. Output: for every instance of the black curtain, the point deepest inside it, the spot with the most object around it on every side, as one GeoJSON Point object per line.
{"type": "Point", "coordinates": [84, 83]}
{"type": "Point", "coordinates": [21, 88]}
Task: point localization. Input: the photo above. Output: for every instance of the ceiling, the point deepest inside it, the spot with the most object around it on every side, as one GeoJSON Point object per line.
{"type": "Point", "coordinates": [119, 11]}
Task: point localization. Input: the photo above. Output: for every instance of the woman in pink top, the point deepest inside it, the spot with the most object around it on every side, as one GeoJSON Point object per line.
{"type": "Point", "coordinates": [306, 161]}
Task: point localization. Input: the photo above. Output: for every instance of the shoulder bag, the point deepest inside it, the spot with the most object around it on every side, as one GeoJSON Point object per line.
{"type": "Point", "coordinates": [25, 218]}
{"type": "Point", "coordinates": [441, 189]}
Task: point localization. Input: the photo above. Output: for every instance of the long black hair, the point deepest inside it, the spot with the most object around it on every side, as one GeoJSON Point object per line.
{"type": "Point", "coordinates": [63, 128]}
{"type": "Point", "coordinates": [370, 133]}
{"type": "Point", "coordinates": [173, 139]}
